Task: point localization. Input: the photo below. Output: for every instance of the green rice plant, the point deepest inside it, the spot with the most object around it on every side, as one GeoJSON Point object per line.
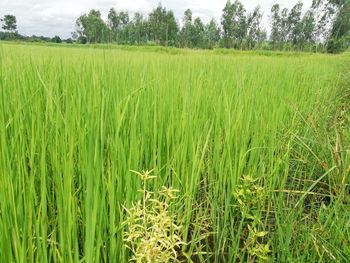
{"type": "Point", "coordinates": [73, 120]}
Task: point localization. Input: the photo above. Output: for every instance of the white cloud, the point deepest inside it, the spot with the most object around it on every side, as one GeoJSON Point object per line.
{"type": "Point", "coordinates": [52, 17]}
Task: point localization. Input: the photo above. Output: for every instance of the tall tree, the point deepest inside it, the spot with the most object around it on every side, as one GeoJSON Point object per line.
{"type": "Point", "coordinates": [254, 27]}
{"type": "Point", "coordinates": [187, 29]}
{"type": "Point", "coordinates": [9, 23]}
{"type": "Point", "coordinates": [275, 26]}
{"type": "Point", "coordinates": [92, 27]}
{"type": "Point", "coordinates": [294, 26]}
{"type": "Point", "coordinates": [162, 26]}
{"type": "Point", "coordinates": [332, 19]}
{"type": "Point", "coordinates": [339, 37]}
{"type": "Point", "coordinates": [118, 24]}
{"type": "Point", "coordinates": [124, 27]}
{"type": "Point", "coordinates": [138, 30]}
{"type": "Point", "coordinates": [307, 36]}
{"type": "Point", "coordinates": [284, 26]}
{"type": "Point", "coordinates": [113, 24]}
{"type": "Point", "coordinates": [171, 29]}
{"type": "Point", "coordinates": [156, 21]}
{"type": "Point", "coordinates": [212, 34]}
{"type": "Point", "coordinates": [324, 16]}
{"type": "Point", "coordinates": [198, 37]}
{"type": "Point", "coordinates": [239, 23]}
{"type": "Point", "coordinates": [227, 24]}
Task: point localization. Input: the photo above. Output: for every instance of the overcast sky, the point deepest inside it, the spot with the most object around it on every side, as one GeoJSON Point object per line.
{"type": "Point", "coordinates": [57, 17]}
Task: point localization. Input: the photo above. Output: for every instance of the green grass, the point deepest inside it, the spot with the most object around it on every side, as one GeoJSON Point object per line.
{"type": "Point", "coordinates": [74, 121]}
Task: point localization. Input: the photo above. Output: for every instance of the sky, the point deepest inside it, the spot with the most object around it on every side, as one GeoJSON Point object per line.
{"type": "Point", "coordinates": [57, 17]}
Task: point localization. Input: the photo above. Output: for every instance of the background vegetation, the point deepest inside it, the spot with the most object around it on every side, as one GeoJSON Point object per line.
{"type": "Point", "coordinates": [324, 27]}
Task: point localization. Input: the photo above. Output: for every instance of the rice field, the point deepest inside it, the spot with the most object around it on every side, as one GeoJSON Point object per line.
{"type": "Point", "coordinates": [258, 145]}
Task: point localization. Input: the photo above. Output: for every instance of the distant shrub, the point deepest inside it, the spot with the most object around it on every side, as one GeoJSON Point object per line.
{"type": "Point", "coordinates": [337, 45]}
{"type": "Point", "coordinates": [82, 40]}
{"type": "Point", "coordinates": [56, 39]}
{"type": "Point", "coordinates": [69, 41]}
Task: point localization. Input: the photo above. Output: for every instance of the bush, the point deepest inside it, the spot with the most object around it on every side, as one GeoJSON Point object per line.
{"type": "Point", "coordinates": [56, 39]}
{"type": "Point", "coordinates": [336, 46]}
{"type": "Point", "coordinates": [82, 40]}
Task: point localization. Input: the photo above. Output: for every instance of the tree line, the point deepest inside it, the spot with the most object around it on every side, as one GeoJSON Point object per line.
{"type": "Point", "coordinates": [325, 26]}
